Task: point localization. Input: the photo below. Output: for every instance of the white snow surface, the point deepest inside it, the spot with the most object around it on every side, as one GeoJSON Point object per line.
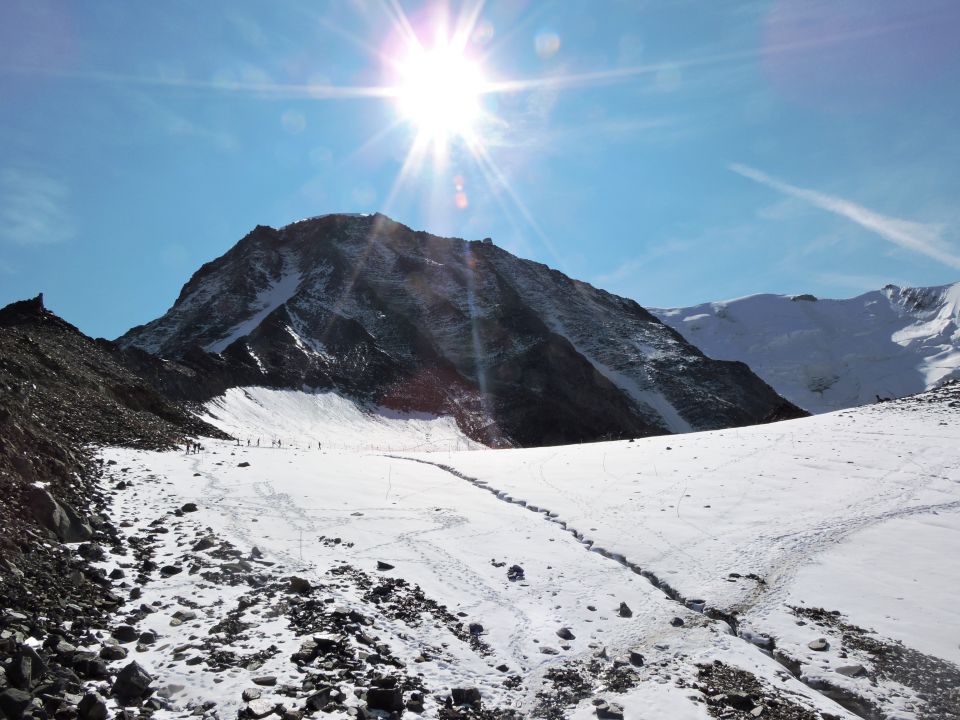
{"type": "Point", "coordinates": [303, 419]}
{"type": "Point", "coordinates": [828, 355]}
{"type": "Point", "coordinates": [855, 511]}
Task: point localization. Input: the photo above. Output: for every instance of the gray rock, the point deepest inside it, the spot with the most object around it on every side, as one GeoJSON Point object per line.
{"type": "Point", "coordinates": [388, 699]}
{"type": "Point", "coordinates": [465, 696]}
{"type": "Point", "coordinates": [125, 633]}
{"type": "Point", "coordinates": [851, 671]}
{"type": "Point", "coordinates": [189, 507]}
{"type": "Point", "coordinates": [265, 680]}
{"type": "Point", "coordinates": [381, 565]}
{"type": "Point", "coordinates": [57, 516]}
{"type": "Point", "coordinates": [677, 622]}
{"type": "Point", "coordinates": [322, 697]}
{"type": "Point", "coordinates": [26, 668]}
{"type": "Point", "coordinates": [257, 709]}
{"type": "Point", "coordinates": [132, 683]}
{"type": "Point", "coordinates": [92, 707]}
{"type": "Point", "coordinates": [251, 694]}
{"type": "Point", "coordinates": [636, 658]}
{"type": "Point", "coordinates": [609, 711]}
{"type": "Point", "coordinates": [300, 585]}
{"type": "Point", "coordinates": [113, 652]}
{"type": "Point", "coordinates": [204, 544]}
{"type": "Point", "coordinates": [13, 702]}
{"type": "Point", "coordinates": [566, 634]}
{"type": "Point", "coordinates": [820, 644]}
{"type": "Point", "coordinates": [624, 610]}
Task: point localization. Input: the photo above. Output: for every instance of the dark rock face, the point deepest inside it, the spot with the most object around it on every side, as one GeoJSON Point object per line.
{"type": "Point", "coordinates": [132, 683]}
{"type": "Point", "coordinates": [517, 352]}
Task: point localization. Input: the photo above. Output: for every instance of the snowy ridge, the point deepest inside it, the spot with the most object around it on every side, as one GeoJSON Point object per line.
{"type": "Point", "coordinates": [827, 355]}
{"type": "Point", "coordinates": [268, 300]}
{"type": "Point", "coordinates": [303, 419]}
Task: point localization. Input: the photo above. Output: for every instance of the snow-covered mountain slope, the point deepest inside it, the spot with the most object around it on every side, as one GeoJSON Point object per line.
{"type": "Point", "coordinates": [517, 352]}
{"type": "Point", "coordinates": [262, 416]}
{"type": "Point", "coordinates": [733, 551]}
{"type": "Point", "coordinates": [825, 355]}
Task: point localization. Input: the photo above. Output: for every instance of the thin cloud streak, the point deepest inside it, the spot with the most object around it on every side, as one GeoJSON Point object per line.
{"type": "Point", "coordinates": [919, 237]}
{"type": "Point", "coordinates": [32, 209]}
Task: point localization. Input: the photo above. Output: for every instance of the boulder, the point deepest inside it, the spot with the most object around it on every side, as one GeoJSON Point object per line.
{"type": "Point", "coordinates": [300, 585]}
{"type": "Point", "coordinates": [514, 573]}
{"type": "Point", "coordinates": [624, 610]}
{"type": "Point", "coordinates": [92, 707]}
{"type": "Point", "coordinates": [465, 696]}
{"type": "Point", "coordinates": [851, 671]}
{"type": "Point", "coordinates": [566, 634]}
{"type": "Point", "coordinates": [13, 702]}
{"type": "Point", "coordinates": [820, 645]}
{"type": "Point", "coordinates": [57, 516]}
{"type": "Point", "coordinates": [387, 699]}
{"type": "Point", "coordinates": [189, 507]}
{"type": "Point", "coordinates": [26, 669]}
{"type": "Point", "coordinates": [125, 633]}
{"type": "Point", "coordinates": [132, 683]}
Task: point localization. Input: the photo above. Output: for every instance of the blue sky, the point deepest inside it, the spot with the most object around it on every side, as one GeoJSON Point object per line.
{"type": "Point", "coordinates": [669, 150]}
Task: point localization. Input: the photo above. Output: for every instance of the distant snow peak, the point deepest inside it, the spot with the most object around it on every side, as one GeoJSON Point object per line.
{"type": "Point", "coordinates": [827, 355]}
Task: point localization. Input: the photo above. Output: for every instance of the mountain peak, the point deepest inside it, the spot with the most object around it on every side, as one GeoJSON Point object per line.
{"type": "Point", "coordinates": [519, 353]}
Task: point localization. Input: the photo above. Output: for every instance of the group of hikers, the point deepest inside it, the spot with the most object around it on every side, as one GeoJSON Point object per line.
{"type": "Point", "coordinates": [278, 443]}
{"type": "Point", "coordinates": [192, 447]}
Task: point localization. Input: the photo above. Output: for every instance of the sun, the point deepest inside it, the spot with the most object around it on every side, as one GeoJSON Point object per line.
{"type": "Point", "coordinates": [439, 92]}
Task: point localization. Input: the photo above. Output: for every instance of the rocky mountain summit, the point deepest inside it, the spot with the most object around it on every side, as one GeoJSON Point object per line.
{"type": "Point", "coordinates": [520, 354]}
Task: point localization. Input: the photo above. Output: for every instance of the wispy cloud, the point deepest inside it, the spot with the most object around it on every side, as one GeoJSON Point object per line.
{"type": "Point", "coordinates": [924, 238]}
{"type": "Point", "coordinates": [32, 208]}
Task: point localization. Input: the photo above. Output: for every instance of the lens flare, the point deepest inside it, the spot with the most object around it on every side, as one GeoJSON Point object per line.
{"type": "Point", "coordinates": [439, 91]}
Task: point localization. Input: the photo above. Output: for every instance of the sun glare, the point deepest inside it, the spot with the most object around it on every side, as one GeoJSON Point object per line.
{"type": "Point", "coordinates": [439, 92]}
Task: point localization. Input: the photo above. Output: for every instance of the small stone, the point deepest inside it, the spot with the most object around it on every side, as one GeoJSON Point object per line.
{"type": "Point", "coordinates": [265, 680]}
{"type": "Point", "coordinates": [257, 709]}
{"type": "Point", "coordinates": [189, 507]}
{"type": "Point", "coordinates": [381, 565]}
{"type": "Point", "coordinates": [624, 610]}
{"type": "Point", "coordinates": [677, 622]}
{"type": "Point", "coordinates": [820, 644]}
{"type": "Point", "coordinates": [475, 629]}
{"type": "Point", "coordinates": [515, 573]}
{"type": "Point", "coordinates": [465, 696]}
{"type": "Point", "coordinates": [243, 464]}
{"type": "Point", "coordinates": [851, 670]}
{"type": "Point", "coordinates": [565, 633]}
{"type": "Point", "coordinates": [251, 694]}
{"type": "Point", "coordinates": [609, 711]}
{"type": "Point", "coordinates": [300, 585]}
{"type": "Point", "coordinates": [113, 652]}
{"type": "Point", "coordinates": [636, 658]}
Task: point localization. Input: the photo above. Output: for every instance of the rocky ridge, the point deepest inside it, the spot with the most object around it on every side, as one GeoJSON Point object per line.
{"type": "Point", "coordinates": [61, 394]}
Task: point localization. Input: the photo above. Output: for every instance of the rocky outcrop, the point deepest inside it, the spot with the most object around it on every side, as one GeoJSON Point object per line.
{"type": "Point", "coordinates": [519, 353]}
